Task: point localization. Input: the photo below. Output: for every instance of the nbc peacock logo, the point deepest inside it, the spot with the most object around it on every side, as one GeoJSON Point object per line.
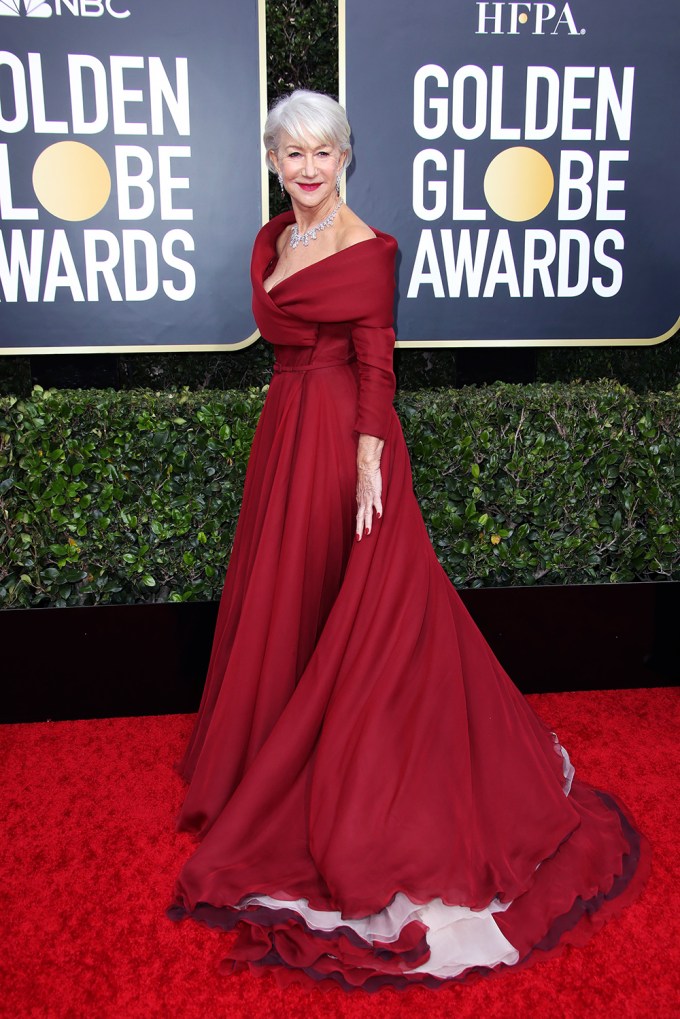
{"type": "Point", "coordinates": [74, 8]}
{"type": "Point", "coordinates": [25, 9]}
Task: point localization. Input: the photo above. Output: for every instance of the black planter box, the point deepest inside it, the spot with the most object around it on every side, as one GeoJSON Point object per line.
{"type": "Point", "coordinates": [151, 659]}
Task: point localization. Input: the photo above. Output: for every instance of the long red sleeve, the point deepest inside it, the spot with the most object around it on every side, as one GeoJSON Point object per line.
{"type": "Point", "coordinates": [373, 339]}
{"type": "Point", "coordinates": [377, 384]}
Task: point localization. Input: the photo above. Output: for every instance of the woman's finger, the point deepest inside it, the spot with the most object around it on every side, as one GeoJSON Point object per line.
{"type": "Point", "coordinates": [368, 518]}
{"type": "Point", "coordinates": [360, 522]}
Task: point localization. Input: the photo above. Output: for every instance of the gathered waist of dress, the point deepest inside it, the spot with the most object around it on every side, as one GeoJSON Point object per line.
{"type": "Point", "coordinates": [314, 366]}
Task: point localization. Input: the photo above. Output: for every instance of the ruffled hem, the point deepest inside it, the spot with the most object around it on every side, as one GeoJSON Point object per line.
{"type": "Point", "coordinates": [407, 943]}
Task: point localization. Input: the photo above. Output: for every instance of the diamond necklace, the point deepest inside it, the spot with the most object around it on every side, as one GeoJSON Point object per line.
{"type": "Point", "coordinates": [310, 235]}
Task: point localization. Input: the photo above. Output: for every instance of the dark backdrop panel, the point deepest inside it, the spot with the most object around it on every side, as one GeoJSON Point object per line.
{"type": "Point", "coordinates": [175, 121]}
{"type": "Point", "coordinates": [390, 42]}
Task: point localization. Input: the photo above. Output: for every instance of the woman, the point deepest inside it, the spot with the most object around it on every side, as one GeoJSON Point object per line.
{"type": "Point", "coordinates": [376, 802]}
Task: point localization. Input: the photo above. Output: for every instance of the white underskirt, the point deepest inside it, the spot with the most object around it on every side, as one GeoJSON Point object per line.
{"type": "Point", "coordinates": [458, 937]}
{"type": "Point", "coordinates": [567, 766]}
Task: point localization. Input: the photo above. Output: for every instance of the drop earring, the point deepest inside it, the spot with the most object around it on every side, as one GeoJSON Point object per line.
{"type": "Point", "coordinates": [338, 180]}
{"type": "Point", "coordinates": [280, 176]}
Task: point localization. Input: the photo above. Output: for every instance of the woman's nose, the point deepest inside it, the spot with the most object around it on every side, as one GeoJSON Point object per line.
{"type": "Point", "coordinates": [310, 168]}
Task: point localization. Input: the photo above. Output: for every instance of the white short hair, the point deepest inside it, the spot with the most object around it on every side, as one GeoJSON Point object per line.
{"type": "Point", "coordinates": [305, 114]}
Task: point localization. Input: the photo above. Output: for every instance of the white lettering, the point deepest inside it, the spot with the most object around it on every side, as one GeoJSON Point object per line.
{"type": "Point", "coordinates": [148, 289]}
{"type": "Point", "coordinates": [534, 264]}
{"type": "Point", "coordinates": [40, 124]}
{"type": "Point", "coordinates": [582, 242]}
{"type": "Point", "coordinates": [580, 184]}
{"type": "Point", "coordinates": [114, 13]}
{"type": "Point", "coordinates": [7, 209]}
{"type": "Point", "coordinates": [514, 17]}
{"type": "Point", "coordinates": [19, 265]}
{"type": "Point", "coordinates": [466, 267]}
{"type": "Point", "coordinates": [127, 181]}
{"type": "Point", "coordinates": [426, 270]}
{"type": "Point", "coordinates": [88, 92]}
{"type": "Point", "coordinates": [549, 75]}
{"type": "Point", "coordinates": [566, 18]}
{"type": "Point", "coordinates": [608, 262]}
{"type": "Point", "coordinates": [476, 74]}
{"type": "Point", "coordinates": [171, 259]}
{"type": "Point", "coordinates": [121, 95]}
{"type": "Point", "coordinates": [459, 210]}
{"type": "Point", "coordinates": [605, 185]}
{"type": "Point", "coordinates": [608, 101]}
{"type": "Point", "coordinates": [20, 119]}
{"type": "Point", "coordinates": [572, 102]}
{"type": "Point", "coordinates": [77, 63]}
{"type": "Point", "coordinates": [61, 255]}
{"type": "Point", "coordinates": [566, 255]}
{"type": "Point", "coordinates": [91, 8]}
{"type": "Point", "coordinates": [544, 12]}
{"type": "Point", "coordinates": [161, 94]}
{"type": "Point", "coordinates": [550, 104]}
{"type": "Point", "coordinates": [439, 106]}
{"type": "Point", "coordinates": [104, 266]}
{"type": "Point", "coordinates": [167, 183]}
{"type": "Point", "coordinates": [495, 17]}
{"type": "Point", "coordinates": [502, 256]}
{"type": "Point", "coordinates": [437, 188]}
{"type": "Point", "coordinates": [496, 131]}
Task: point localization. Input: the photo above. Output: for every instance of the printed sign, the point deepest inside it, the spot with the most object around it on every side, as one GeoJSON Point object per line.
{"type": "Point", "coordinates": [131, 173]}
{"type": "Point", "coordinates": [525, 156]}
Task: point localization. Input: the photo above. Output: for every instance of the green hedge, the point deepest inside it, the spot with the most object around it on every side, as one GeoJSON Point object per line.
{"type": "Point", "coordinates": [133, 497]}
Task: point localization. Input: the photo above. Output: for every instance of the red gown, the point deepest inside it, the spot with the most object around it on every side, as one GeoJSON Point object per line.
{"type": "Point", "coordinates": [375, 801]}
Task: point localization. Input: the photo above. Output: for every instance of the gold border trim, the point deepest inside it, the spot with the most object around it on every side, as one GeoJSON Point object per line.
{"type": "Point", "coordinates": [438, 344]}
{"type": "Point", "coordinates": [342, 53]}
{"type": "Point", "coordinates": [149, 349]}
{"type": "Point", "coordinates": [342, 80]}
{"type": "Point", "coordinates": [649, 341]}
{"type": "Point", "coordinates": [262, 56]}
{"type": "Point", "coordinates": [152, 348]}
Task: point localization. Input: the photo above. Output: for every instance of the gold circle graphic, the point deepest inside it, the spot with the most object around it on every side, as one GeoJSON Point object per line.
{"type": "Point", "coordinates": [518, 183]}
{"type": "Point", "coordinates": [71, 181]}
{"type": "Point", "coordinates": [523, 18]}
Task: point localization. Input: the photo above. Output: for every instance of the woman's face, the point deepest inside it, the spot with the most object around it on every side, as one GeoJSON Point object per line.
{"type": "Point", "coordinates": [309, 169]}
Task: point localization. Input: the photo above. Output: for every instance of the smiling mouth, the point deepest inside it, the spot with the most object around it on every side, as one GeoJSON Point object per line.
{"type": "Point", "coordinates": [309, 187]}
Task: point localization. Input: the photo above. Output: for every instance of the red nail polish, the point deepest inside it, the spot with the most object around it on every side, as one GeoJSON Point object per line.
{"type": "Point", "coordinates": [366, 531]}
{"type": "Point", "coordinates": [358, 536]}
{"type": "Point", "coordinates": [379, 516]}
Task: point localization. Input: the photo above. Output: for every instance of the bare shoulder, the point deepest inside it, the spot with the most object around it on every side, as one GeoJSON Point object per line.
{"type": "Point", "coordinates": [353, 230]}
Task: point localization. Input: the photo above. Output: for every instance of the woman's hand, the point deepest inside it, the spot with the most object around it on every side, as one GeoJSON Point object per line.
{"type": "Point", "coordinates": [369, 483]}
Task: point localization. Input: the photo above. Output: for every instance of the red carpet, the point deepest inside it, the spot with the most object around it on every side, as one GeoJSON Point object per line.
{"type": "Point", "coordinates": [90, 855]}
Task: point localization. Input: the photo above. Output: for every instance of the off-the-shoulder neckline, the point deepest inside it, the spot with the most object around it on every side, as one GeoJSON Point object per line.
{"type": "Point", "coordinates": [312, 265]}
